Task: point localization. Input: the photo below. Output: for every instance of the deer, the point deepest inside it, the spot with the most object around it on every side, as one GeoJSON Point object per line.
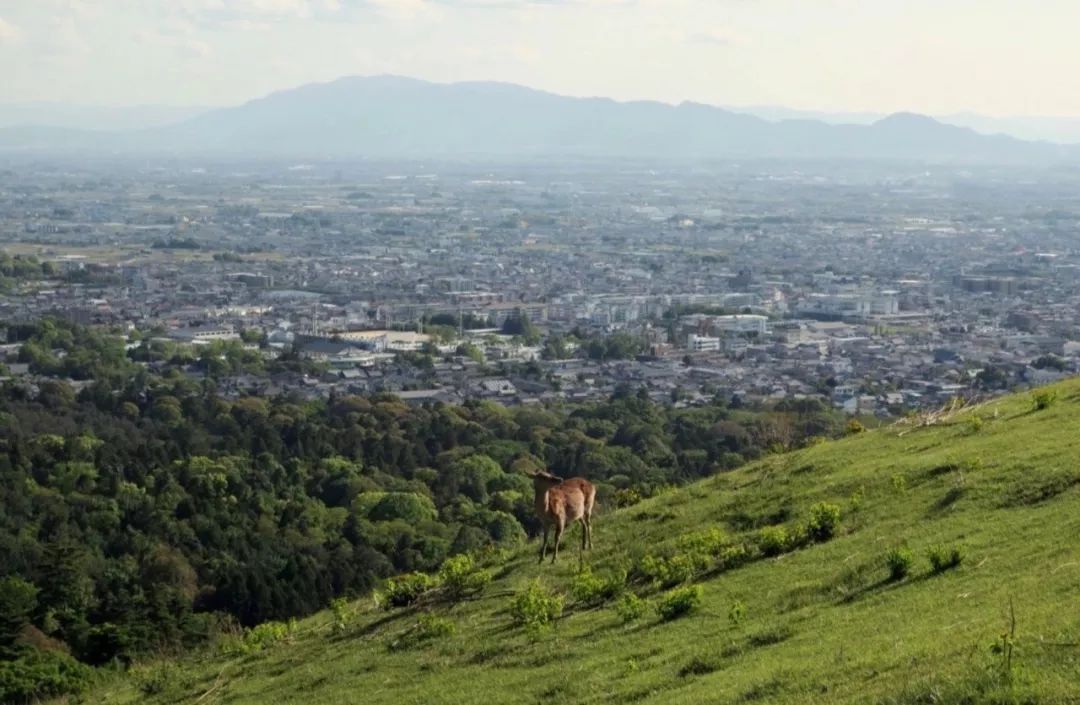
{"type": "Point", "coordinates": [560, 502]}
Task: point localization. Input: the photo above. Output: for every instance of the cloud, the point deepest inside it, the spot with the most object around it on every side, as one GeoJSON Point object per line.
{"type": "Point", "coordinates": [9, 33]}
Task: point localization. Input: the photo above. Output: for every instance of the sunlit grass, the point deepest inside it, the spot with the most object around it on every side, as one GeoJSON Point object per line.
{"type": "Point", "coordinates": [820, 624]}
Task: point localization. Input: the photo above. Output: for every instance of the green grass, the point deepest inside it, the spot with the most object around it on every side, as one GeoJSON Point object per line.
{"type": "Point", "coordinates": [822, 623]}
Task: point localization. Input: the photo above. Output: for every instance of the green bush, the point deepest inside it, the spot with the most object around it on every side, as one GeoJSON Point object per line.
{"type": "Point", "coordinates": [773, 540]}
{"type": "Point", "coordinates": [37, 675]}
{"type": "Point", "coordinates": [630, 607]}
{"type": "Point", "coordinates": [536, 608]}
{"type": "Point", "coordinates": [733, 557]}
{"type": "Point", "coordinates": [673, 570]}
{"type": "Point", "coordinates": [460, 577]}
{"type": "Point", "coordinates": [943, 558]}
{"type": "Point", "coordinates": [824, 518]}
{"type": "Point", "coordinates": [591, 589]}
{"type": "Point", "coordinates": [405, 589]}
{"type": "Point", "coordinates": [899, 561]}
{"type": "Point", "coordinates": [854, 426]}
{"type": "Point", "coordinates": [709, 542]}
{"type": "Point", "coordinates": [679, 602]}
{"type": "Point", "coordinates": [1043, 399]}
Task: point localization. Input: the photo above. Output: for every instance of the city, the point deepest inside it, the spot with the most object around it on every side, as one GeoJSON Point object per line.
{"type": "Point", "coordinates": [879, 289]}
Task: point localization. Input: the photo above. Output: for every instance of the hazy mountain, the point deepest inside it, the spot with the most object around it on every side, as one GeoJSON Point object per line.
{"type": "Point", "coordinates": [1065, 130]}
{"type": "Point", "coordinates": [388, 116]}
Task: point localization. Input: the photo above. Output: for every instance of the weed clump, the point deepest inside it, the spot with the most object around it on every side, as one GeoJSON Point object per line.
{"type": "Point", "coordinates": [259, 638]}
{"type": "Point", "coordinates": [536, 608]}
{"type": "Point", "coordinates": [943, 558]}
{"type": "Point", "coordinates": [899, 561]}
{"type": "Point", "coordinates": [699, 665]}
{"type": "Point", "coordinates": [158, 678]}
{"type": "Point", "coordinates": [428, 627]}
{"type": "Point", "coordinates": [679, 602]}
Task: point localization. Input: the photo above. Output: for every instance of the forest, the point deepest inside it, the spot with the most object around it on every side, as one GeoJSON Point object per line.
{"type": "Point", "coordinates": [141, 510]}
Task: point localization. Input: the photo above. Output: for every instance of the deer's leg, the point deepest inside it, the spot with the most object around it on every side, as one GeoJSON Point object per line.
{"type": "Point", "coordinates": [558, 537]}
{"type": "Point", "coordinates": [588, 529]}
{"type": "Point", "coordinates": [543, 546]}
{"type": "Point", "coordinates": [584, 535]}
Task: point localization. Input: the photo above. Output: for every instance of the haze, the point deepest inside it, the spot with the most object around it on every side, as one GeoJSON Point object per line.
{"type": "Point", "coordinates": [836, 55]}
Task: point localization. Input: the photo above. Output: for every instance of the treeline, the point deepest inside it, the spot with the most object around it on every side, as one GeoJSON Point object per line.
{"type": "Point", "coordinates": [143, 510]}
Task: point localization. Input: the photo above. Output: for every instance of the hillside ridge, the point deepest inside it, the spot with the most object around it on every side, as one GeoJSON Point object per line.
{"type": "Point", "coordinates": [980, 504]}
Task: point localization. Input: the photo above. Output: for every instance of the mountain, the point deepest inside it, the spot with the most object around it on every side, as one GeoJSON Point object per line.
{"type": "Point", "coordinates": [388, 117]}
{"type": "Point", "coordinates": [793, 608]}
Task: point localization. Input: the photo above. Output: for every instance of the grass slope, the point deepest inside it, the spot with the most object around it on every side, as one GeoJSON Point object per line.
{"type": "Point", "coordinates": [822, 624]}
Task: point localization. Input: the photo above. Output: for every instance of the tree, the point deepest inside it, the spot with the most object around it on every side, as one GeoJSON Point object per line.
{"type": "Point", "coordinates": [18, 600]}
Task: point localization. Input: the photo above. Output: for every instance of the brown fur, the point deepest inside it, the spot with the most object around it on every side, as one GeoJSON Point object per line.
{"type": "Point", "coordinates": [561, 502]}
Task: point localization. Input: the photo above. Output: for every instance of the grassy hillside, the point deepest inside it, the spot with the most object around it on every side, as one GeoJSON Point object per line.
{"type": "Point", "coordinates": [819, 623]}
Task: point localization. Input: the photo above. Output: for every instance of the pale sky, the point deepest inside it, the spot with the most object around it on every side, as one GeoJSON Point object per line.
{"type": "Point", "coordinates": [1001, 57]}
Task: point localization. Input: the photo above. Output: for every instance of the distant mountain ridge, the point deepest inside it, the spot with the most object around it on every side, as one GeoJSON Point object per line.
{"type": "Point", "coordinates": [391, 117]}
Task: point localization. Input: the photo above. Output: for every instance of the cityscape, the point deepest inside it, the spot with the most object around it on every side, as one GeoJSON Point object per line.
{"type": "Point", "coordinates": [876, 288]}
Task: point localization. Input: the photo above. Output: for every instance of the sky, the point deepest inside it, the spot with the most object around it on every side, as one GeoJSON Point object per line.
{"type": "Point", "coordinates": [996, 57]}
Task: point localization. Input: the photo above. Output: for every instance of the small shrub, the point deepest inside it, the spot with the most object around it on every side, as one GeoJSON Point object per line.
{"type": "Point", "coordinates": [773, 540]}
{"type": "Point", "coordinates": [591, 589]}
{"type": "Point", "coordinates": [733, 557]}
{"type": "Point", "coordinates": [943, 558]}
{"type": "Point", "coordinates": [536, 608]}
{"type": "Point", "coordinates": [899, 483]}
{"type": "Point", "coordinates": [630, 607]}
{"type": "Point", "coordinates": [261, 637]}
{"type": "Point", "coordinates": [460, 578]}
{"type": "Point", "coordinates": [405, 589]}
{"type": "Point", "coordinates": [737, 613]}
{"type": "Point", "coordinates": [974, 424]}
{"type": "Point", "coordinates": [674, 570]}
{"type": "Point", "coordinates": [1043, 399]}
{"type": "Point", "coordinates": [342, 612]}
{"type": "Point", "coordinates": [708, 542]}
{"type": "Point", "coordinates": [679, 602]}
{"type": "Point", "coordinates": [854, 426]}
{"type": "Point", "coordinates": [824, 518]}
{"type": "Point", "coordinates": [899, 560]}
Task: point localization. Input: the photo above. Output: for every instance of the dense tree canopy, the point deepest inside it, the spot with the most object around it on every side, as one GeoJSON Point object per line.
{"type": "Point", "coordinates": [140, 511]}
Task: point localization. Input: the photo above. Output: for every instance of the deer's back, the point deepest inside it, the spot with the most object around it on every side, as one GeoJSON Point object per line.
{"type": "Point", "coordinates": [572, 498]}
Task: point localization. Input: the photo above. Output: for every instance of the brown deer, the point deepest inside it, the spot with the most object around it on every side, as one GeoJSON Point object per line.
{"type": "Point", "coordinates": [560, 502]}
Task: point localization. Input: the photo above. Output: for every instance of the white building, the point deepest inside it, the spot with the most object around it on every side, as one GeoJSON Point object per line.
{"type": "Point", "coordinates": [702, 343]}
